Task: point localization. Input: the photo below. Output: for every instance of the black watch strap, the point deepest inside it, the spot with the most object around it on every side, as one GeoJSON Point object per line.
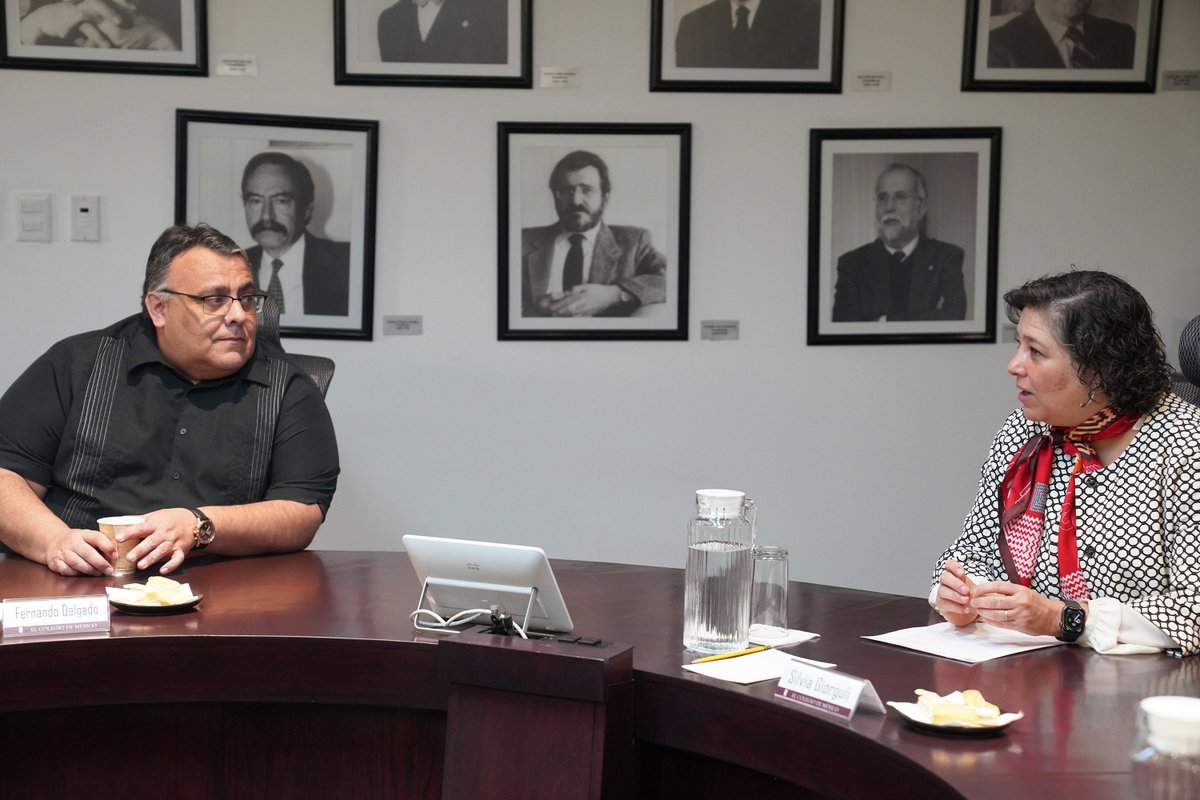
{"type": "Point", "coordinates": [1072, 621]}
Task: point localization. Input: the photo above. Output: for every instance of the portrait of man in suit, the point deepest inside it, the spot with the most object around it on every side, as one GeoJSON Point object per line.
{"type": "Point", "coordinates": [750, 34]}
{"type": "Point", "coordinates": [903, 274]}
{"type": "Point", "coordinates": [305, 273]}
{"type": "Point", "coordinates": [445, 31]}
{"type": "Point", "coordinates": [581, 266]}
{"type": "Point", "coordinates": [1061, 34]}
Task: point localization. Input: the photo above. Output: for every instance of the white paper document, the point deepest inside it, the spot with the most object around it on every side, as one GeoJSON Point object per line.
{"type": "Point", "coordinates": [762, 666]}
{"type": "Point", "coordinates": [971, 643]}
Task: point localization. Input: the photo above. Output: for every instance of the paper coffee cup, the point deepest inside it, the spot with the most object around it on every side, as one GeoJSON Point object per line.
{"type": "Point", "coordinates": [109, 527]}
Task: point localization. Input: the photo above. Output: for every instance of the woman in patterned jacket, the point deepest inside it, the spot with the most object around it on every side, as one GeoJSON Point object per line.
{"type": "Point", "coordinates": [1087, 522]}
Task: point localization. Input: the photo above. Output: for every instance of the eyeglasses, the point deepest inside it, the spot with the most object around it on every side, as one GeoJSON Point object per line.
{"type": "Point", "coordinates": [215, 304]}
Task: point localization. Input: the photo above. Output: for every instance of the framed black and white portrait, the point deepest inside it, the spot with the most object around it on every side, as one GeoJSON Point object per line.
{"type": "Point", "coordinates": [480, 43]}
{"type": "Point", "coordinates": [746, 45]}
{"type": "Point", "coordinates": [165, 37]}
{"type": "Point", "coordinates": [593, 230]}
{"type": "Point", "coordinates": [902, 235]}
{"type": "Point", "coordinates": [1061, 45]}
{"type": "Point", "coordinates": [298, 193]}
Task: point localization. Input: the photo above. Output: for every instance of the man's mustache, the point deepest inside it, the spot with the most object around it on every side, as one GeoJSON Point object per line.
{"type": "Point", "coordinates": [268, 227]}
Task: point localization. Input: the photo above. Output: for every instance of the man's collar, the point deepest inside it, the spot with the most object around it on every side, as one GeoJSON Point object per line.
{"type": "Point", "coordinates": [907, 249]}
{"type": "Point", "coordinates": [1056, 29]}
{"type": "Point", "coordinates": [590, 234]}
{"type": "Point", "coordinates": [750, 4]}
{"type": "Point", "coordinates": [291, 252]}
{"type": "Point", "coordinates": [295, 253]}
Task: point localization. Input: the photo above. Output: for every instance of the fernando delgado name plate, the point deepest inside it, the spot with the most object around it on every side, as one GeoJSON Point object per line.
{"type": "Point", "coordinates": [38, 616]}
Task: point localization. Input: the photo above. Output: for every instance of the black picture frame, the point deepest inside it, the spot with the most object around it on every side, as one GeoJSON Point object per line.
{"type": "Point", "coordinates": [469, 59]}
{"type": "Point", "coordinates": [644, 234]}
{"type": "Point", "coordinates": [1013, 51]}
{"type": "Point", "coordinates": [951, 294]}
{"type": "Point", "coordinates": [213, 150]}
{"type": "Point", "coordinates": [696, 32]}
{"type": "Point", "coordinates": [164, 37]}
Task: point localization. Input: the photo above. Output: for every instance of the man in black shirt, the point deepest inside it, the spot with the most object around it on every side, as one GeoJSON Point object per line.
{"type": "Point", "coordinates": [175, 414]}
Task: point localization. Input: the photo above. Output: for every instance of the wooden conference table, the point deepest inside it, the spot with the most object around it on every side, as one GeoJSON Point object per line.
{"type": "Point", "coordinates": [301, 676]}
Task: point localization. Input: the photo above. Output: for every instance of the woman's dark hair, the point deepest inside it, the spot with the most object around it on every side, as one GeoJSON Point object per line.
{"type": "Point", "coordinates": [1107, 328]}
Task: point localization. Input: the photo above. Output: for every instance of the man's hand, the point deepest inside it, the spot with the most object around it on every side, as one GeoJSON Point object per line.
{"type": "Point", "coordinates": [95, 23]}
{"type": "Point", "coordinates": [80, 552]}
{"type": "Point", "coordinates": [138, 32]}
{"type": "Point", "coordinates": [77, 21]}
{"type": "Point", "coordinates": [165, 534]}
{"type": "Point", "coordinates": [585, 300]}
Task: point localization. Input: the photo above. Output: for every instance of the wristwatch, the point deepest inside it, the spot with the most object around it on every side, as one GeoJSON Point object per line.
{"type": "Point", "coordinates": [1070, 625]}
{"type": "Point", "coordinates": [204, 532]}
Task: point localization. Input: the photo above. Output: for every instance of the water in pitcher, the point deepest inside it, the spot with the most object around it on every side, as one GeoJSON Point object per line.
{"type": "Point", "coordinates": [716, 614]}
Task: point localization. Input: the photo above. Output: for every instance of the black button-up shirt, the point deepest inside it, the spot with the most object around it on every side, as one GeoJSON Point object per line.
{"type": "Point", "coordinates": [149, 438]}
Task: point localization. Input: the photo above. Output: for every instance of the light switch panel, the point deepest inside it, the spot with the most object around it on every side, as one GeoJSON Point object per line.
{"type": "Point", "coordinates": [33, 217]}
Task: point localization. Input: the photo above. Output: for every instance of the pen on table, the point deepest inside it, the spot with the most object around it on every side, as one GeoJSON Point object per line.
{"type": "Point", "coordinates": [734, 654]}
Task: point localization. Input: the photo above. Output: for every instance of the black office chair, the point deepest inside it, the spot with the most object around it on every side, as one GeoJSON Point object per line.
{"type": "Point", "coordinates": [319, 368]}
{"type": "Point", "coordinates": [1189, 363]}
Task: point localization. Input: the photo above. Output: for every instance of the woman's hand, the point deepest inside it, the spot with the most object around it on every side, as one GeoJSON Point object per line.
{"type": "Point", "coordinates": [1010, 605]}
{"type": "Point", "coordinates": [954, 595]}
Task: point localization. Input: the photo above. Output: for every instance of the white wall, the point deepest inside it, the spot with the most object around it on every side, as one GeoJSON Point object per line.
{"type": "Point", "coordinates": [863, 459]}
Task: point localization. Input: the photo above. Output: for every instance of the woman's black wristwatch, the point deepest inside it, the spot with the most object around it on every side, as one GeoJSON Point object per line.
{"type": "Point", "coordinates": [1070, 624]}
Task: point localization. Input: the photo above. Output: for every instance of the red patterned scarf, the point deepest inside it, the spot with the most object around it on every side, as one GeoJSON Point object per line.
{"type": "Point", "coordinates": [1023, 495]}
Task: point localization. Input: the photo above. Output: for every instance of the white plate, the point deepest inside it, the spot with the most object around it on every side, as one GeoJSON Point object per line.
{"type": "Point", "coordinates": [921, 721]}
{"type": "Point", "coordinates": [156, 609]}
{"type": "Point", "coordinates": [132, 602]}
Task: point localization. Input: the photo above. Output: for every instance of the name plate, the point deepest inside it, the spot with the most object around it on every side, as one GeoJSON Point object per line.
{"type": "Point", "coordinates": [719, 329]}
{"type": "Point", "coordinates": [42, 616]}
{"type": "Point", "coordinates": [827, 690]}
{"type": "Point", "coordinates": [402, 324]}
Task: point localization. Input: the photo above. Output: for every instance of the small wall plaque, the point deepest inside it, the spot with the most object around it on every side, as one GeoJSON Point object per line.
{"type": "Point", "coordinates": [872, 82]}
{"type": "Point", "coordinates": [402, 325]}
{"type": "Point", "coordinates": [719, 329]}
{"type": "Point", "coordinates": [559, 78]}
{"type": "Point", "coordinates": [1181, 80]}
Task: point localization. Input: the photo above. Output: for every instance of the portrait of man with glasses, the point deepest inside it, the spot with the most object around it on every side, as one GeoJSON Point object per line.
{"type": "Point", "coordinates": [176, 414]}
{"type": "Point", "coordinates": [581, 266]}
